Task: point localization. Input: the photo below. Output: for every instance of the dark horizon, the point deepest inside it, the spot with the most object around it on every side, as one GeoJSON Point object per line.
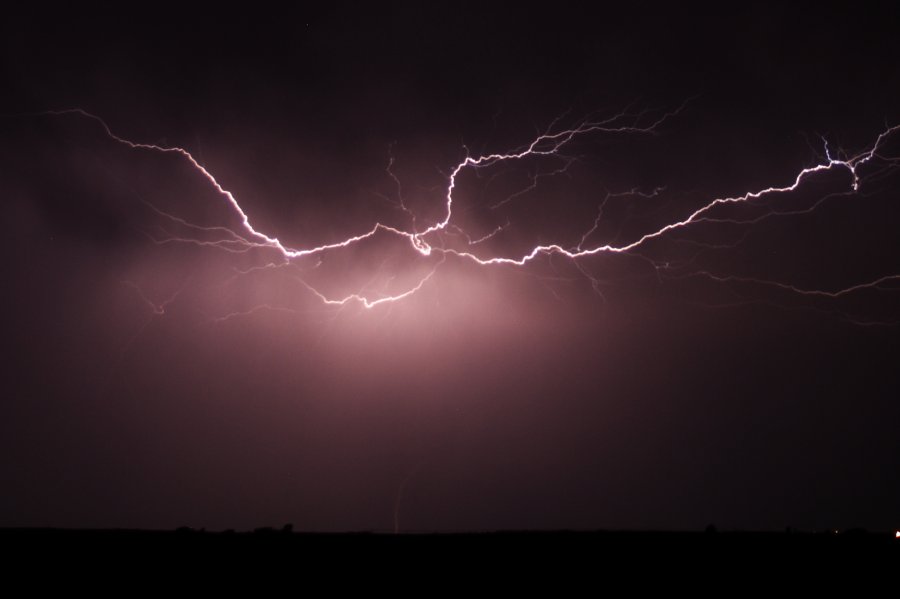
{"type": "Point", "coordinates": [166, 366]}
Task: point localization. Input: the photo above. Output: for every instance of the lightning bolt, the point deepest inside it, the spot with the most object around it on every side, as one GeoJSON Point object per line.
{"type": "Point", "coordinates": [549, 143]}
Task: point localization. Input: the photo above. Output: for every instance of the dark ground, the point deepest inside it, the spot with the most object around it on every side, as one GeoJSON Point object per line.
{"type": "Point", "coordinates": [598, 542]}
{"type": "Point", "coordinates": [565, 561]}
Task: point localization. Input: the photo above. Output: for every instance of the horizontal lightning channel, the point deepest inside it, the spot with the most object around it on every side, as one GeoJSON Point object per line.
{"type": "Point", "coordinates": [548, 143]}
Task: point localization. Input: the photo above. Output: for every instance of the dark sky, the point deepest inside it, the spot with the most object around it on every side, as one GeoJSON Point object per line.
{"type": "Point", "coordinates": [496, 397]}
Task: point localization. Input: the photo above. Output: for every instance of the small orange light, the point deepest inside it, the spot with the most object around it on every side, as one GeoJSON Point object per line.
{"type": "Point", "coordinates": [897, 535]}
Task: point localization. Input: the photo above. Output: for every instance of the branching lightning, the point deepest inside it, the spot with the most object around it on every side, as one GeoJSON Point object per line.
{"type": "Point", "coordinates": [550, 144]}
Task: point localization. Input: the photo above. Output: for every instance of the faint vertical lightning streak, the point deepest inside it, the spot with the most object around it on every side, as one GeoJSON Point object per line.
{"type": "Point", "coordinates": [398, 499]}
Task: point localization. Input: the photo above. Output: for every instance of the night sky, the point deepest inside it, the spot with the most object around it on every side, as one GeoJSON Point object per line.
{"type": "Point", "coordinates": [163, 367]}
